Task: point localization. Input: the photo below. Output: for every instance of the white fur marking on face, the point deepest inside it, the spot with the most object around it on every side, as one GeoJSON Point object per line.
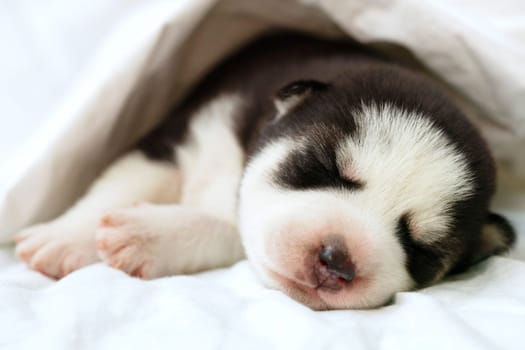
{"type": "Point", "coordinates": [409, 166]}
{"type": "Point", "coordinates": [212, 160]}
{"type": "Point", "coordinates": [256, 200]}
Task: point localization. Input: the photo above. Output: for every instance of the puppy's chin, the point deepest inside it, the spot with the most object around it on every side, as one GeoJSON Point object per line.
{"type": "Point", "coordinates": [307, 294]}
{"type": "Point", "coordinates": [301, 292]}
{"type": "Point", "coordinates": [355, 295]}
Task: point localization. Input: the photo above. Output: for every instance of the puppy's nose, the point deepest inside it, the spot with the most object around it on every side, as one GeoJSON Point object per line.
{"type": "Point", "coordinates": [337, 261]}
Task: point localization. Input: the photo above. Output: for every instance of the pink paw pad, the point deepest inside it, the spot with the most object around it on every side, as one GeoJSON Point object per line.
{"type": "Point", "coordinates": [55, 250]}
{"type": "Point", "coordinates": [122, 243]}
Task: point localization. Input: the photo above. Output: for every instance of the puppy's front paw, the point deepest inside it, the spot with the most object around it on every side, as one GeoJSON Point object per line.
{"type": "Point", "coordinates": [57, 249]}
{"type": "Point", "coordinates": [126, 241]}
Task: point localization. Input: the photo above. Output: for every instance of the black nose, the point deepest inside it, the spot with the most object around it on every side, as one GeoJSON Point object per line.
{"type": "Point", "coordinates": [337, 261]}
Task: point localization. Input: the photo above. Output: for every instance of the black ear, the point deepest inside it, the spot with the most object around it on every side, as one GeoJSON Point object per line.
{"type": "Point", "coordinates": [292, 94]}
{"type": "Point", "coordinates": [497, 236]}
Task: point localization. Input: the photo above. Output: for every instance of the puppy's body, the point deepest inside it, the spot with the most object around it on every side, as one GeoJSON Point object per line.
{"type": "Point", "coordinates": [349, 178]}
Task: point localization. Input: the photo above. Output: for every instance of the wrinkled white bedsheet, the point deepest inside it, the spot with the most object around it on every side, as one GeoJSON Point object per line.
{"type": "Point", "coordinates": [102, 308]}
{"type": "Point", "coordinates": [43, 169]}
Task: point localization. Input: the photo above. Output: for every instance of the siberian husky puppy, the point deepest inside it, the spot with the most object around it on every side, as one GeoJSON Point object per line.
{"type": "Point", "coordinates": [343, 178]}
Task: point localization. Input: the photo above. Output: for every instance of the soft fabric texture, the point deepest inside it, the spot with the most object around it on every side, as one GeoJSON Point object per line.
{"type": "Point", "coordinates": [101, 308]}
{"type": "Point", "coordinates": [155, 53]}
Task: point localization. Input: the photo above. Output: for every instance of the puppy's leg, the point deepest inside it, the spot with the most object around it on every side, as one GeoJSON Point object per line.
{"type": "Point", "coordinates": [150, 241]}
{"type": "Point", "coordinates": [67, 243]}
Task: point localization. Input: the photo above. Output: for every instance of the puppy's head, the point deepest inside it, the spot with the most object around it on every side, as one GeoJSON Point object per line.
{"type": "Point", "coordinates": [366, 185]}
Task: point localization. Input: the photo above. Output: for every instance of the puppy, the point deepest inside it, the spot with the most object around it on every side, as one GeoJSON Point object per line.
{"type": "Point", "coordinates": [344, 178]}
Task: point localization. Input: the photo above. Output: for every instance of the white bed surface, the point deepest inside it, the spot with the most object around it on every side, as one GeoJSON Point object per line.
{"type": "Point", "coordinates": [102, 308]}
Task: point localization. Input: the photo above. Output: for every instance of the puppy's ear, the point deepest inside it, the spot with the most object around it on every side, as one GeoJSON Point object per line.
{"type": "Point", "coordinates": [294, 93]}
{"type": "Point", "coordinates": [497, 236]}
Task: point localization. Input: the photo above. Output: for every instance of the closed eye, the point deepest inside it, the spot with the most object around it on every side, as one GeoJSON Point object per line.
{"type": "Point", "coordinates": [423, 261]}
{"type": "Point", "coordinates": [330, 165]}
{"type": "Point", "coordinates": [403, 231]}
{"type": "Point", "coordinates": [349, 183]}
{"type": "Point", "coordinates": [311, 170]}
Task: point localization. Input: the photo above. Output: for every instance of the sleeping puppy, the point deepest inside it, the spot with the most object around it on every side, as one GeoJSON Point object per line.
{"type": "Point", "coordinates": [346, 177]}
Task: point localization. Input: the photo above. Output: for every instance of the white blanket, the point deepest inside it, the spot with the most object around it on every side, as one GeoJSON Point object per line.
{"type": "Point", "coordinates": [156, 51]}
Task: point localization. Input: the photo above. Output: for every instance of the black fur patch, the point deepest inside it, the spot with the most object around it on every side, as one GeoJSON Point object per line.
{"type": "Point", "coordinates": [159, 143]}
